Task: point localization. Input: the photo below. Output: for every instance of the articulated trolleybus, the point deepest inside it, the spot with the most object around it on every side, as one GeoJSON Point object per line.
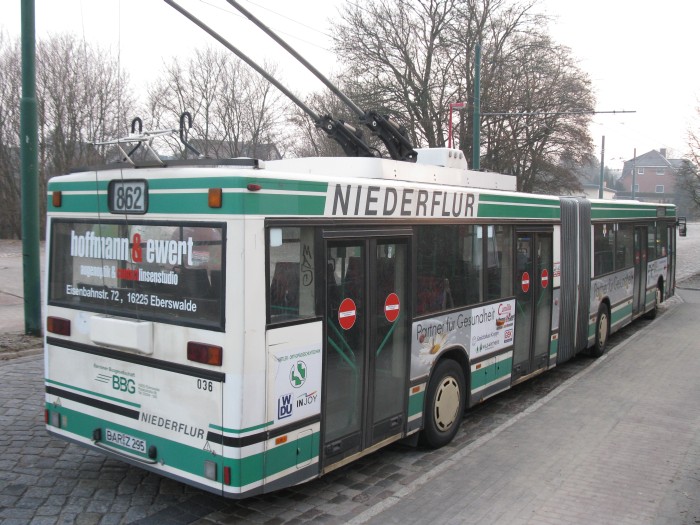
{"type": "Point", "coordinates": [244, 326]}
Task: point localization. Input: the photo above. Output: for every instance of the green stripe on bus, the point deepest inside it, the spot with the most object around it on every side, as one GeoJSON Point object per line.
{"type": "Point", "coordinates": [526, 212]}
{"type": "Point", "coordinates": [84, 391]}
{"type": "Point", "coordinates": [491, 373]}
{"type": "Point", "coordinates": [255, 468]}
{"type": "Point", "coordinates": [84, 185]}
{"type": "Point", "coordinates": [517, 199]}
{"type": "Point", "coordinates": [174, 454]}
{"type": "Point", "coordinates": [80, 203]}
{"type": "Point", "coordinates": [237, 182]}
{"type": "Point", "coordinates": [197, 203]}
{"type": "Point", "coordinates": [415, 403]}
{"type": "Point", "coordinates": [227, 182]}
{"type": "Point", "coordinates": [623, 214]}
{"type": "Point", "coordinates": [618, 315]}
{"type": "Point", "coordinates": [190, 459]}
{"type": "Point", "coordinates": [553, 347]}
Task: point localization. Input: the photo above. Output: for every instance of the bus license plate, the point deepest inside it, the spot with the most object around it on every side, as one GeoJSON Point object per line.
{"type": "Point", "coordinates": [128, 196]}
{"type": "Point", "coordinates": [126, 441]}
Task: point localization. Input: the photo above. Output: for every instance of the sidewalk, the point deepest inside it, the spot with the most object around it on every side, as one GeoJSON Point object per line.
{"type": "Point", "coordinates": [618, 443]}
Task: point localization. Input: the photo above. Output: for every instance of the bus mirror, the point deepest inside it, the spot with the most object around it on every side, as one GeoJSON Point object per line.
{"type": "Point", "coordinates": [275, 237]}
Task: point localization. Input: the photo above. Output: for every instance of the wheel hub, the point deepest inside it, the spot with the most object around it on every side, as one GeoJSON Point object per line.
{"type": "Point", "coordinates": [447, 403]}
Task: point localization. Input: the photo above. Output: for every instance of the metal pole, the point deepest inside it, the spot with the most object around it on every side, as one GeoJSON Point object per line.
{"type": "Point", "coordinates": [602, 168]}
{"type": "Point", "coordinates": [449, 130]}
{"type": "Point", "coordinates": [476, 125]}
{"type": "Point", "coordinates": [634, 174]}
{"type": "Point", "coordinates": [449, 126]}
{"type": "Point", "coordinates": [30, 175]}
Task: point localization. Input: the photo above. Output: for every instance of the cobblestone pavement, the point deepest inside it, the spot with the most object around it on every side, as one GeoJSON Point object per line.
{"type": "Point", "coordinates": [47, 481]}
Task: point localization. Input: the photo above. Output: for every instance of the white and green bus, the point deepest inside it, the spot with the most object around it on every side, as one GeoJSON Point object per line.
{"type": "Point", "coordinates": [243, 326]}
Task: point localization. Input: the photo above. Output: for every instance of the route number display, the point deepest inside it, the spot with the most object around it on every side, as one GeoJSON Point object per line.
{"type": "Point", "coordinates": [128, 196]}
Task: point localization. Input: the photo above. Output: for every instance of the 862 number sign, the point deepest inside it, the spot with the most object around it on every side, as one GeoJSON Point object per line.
{"type": "Point", "coordinates": [128, 196]}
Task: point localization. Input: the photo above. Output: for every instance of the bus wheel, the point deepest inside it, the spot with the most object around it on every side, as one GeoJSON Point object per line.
{"type": "Point", "coordinates": [444, 404]}
{"type": "Point", "coordinates": [602, 331]}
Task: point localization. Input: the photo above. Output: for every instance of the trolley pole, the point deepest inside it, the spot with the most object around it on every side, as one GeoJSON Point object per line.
{"type": "Point", "coordinates": [30, 175]}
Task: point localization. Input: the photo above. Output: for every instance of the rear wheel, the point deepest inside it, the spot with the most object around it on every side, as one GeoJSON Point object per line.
{"type": "Point", "coordinates": [602, 331]}
{"type": "Point", "coordinates": [444, 404]}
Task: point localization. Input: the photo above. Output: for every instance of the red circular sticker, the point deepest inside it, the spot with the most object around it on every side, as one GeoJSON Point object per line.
{"type": "Point", "coordinates": [525, 283]}
{"type": "Point", "coordinates": [392, 307]}
{"type": "Point", "coordinates": [545, 278]}
{"type": "Point", "coordinates": [347, 314]}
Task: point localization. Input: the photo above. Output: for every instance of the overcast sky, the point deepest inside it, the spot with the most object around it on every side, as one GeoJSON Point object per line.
{"type": "Point", "coordinates": [640, 58]}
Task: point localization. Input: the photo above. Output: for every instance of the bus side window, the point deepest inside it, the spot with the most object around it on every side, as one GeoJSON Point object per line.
{"type": "Point", "coordinates": [292, 273]}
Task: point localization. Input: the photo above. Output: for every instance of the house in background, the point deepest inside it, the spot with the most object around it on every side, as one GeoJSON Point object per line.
{"type": "Point", "coordinates": [654, 178]}
{"type": "Point", "coordinates": [592, 191]}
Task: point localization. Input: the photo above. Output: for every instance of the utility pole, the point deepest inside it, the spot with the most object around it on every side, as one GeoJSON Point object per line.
{"type": "Point", "coordinates": [634, 174]}
{"type": "Point", "coordinates": [602, 169]}
{"type": "Point", "coordinates": [30, 175]}
{"type": "Point", "coordinates": [476, 125]}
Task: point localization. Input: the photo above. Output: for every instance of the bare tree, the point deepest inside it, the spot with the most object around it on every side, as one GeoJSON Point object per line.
{"type": "Point", "coordinates": [542, 104]}
{"type": "Point", "coordinates": [80, 93]}
{"type": "Point", "coordinates": [10, 93]}
{"type": "Point", "coordinates": [688, 173]}
{"type": "Point", "coordinates": [235, 113]}
{"type": "Point", "coordinates": [419, 58]}
{"type": "Point", "coordinates": [398, 52]}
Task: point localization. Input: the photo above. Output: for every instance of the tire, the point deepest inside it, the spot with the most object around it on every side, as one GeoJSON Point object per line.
{"type": "Point", "coordinates": [602, 331]}
{"type": "Point", "coordinates": [444, 405]}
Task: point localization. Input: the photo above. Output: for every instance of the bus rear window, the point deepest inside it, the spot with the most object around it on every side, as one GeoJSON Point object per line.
{"type": "Point", "coordinates": [156, 271]}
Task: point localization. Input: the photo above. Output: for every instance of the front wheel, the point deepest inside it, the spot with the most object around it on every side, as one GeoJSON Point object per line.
{"type": "Point", "coordinates": [602, 331]}
{"type": "Point", "coordinates": [444, 404]}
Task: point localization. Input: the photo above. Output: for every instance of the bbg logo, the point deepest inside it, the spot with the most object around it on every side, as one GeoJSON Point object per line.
{"type": "Point", "coordinates": [297, 375]}
{"type": "Point", "coordinates": [123, 384]}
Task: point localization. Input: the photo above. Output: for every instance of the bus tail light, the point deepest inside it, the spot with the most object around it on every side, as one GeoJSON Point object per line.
{"type": "Point", "coordinates": [227, 475]}
{"type": "Point", "coordinates": [58, 325]}
{"type": "Point", "coordinates": [204, 353]}
{"type": "Point", "coordinates": [56, 199]}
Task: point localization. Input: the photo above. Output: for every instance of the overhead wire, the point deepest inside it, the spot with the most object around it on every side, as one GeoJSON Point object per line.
{"type": "Point", "coordinates": [290, 35]}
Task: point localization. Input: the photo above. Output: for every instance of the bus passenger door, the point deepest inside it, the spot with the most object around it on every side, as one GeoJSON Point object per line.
{"type": "Point", "coordinates": [640, 269]}
{"type": "Point", "coordinates": [533, 299]}
{"type": "Point", "coordinates": [366, 354]}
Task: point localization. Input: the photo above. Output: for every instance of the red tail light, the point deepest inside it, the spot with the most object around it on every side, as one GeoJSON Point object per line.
{"type": "Point", "coordinates": [204, 353]}
{"type": "Point", "coordinates": [58, 325]}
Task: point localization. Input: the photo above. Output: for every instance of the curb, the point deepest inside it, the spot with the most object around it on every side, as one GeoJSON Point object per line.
{"type": "Point", "coordinates": [14, 354]}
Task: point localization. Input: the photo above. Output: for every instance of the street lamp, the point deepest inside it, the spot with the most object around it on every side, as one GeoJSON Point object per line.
{"type": "Point", "coordinates": [458, 105]}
